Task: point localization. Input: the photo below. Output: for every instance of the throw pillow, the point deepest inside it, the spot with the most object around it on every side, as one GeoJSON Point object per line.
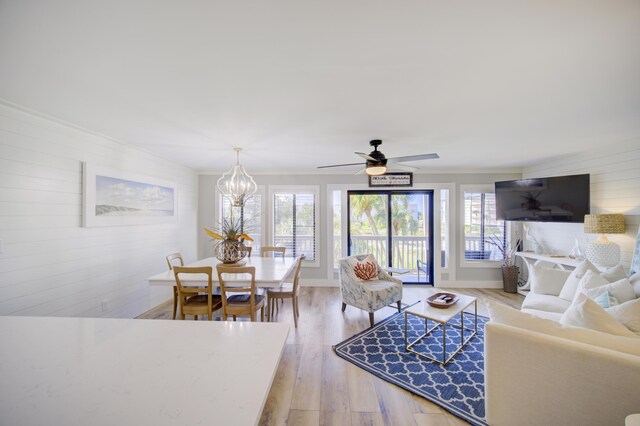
{"type": "Point", "coordinates": [588, 281]}
{"type": "Point", "coordinates": [366, 271]}
{"type": "Point", "coordinates": [586, 313]}
{"type": "Point", "coordinates": [568, 292]}
{"type": "Point", "coordinates": [621, 290]}
{"type": "Point", "coordinates": [606, 300]}
{"type": "Point", "coordinates": [502, 314]}
{"type": "Point", "coordinates": [547, 280]}
{"type": "Point", "coordinates": [627, 313]}
{"type": "Point", "coordinates": [634, 280]}
{"type": "Point", "coordinates": [614, 274]}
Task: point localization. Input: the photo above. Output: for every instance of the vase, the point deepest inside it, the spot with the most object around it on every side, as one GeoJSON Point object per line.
{"type": "Point", "coordinates": [230, 251]}
{"type": "Point", "coordinates": [510, 279]}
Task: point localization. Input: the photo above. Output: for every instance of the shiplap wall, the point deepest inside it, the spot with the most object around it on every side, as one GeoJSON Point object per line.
{"type": "Point", "coordinates": [615, 188]}
{"type": "Point", "coordinates": [50, 264]}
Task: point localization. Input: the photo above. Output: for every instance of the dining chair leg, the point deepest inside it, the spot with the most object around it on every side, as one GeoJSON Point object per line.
{"type": "Point", "coordinates": [293, 307]}
{"type": "Point", "coordinates": [234, 317]}
{"type": "Point", "coordinates": [262, 314]}
{"type": "Point", "coordinates": [175, 301]}
{"type": "Point", "coordinates": [253, 316]}
{"type": "Point", "coordinates": [195, 318]}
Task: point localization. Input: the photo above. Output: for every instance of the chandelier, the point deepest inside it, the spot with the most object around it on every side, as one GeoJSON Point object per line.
{"type": "Point", "coordinates": [236, 184]}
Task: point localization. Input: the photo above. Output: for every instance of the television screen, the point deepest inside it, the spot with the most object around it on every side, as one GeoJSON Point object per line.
{"type": "Point", "coordinates": [552, 199]}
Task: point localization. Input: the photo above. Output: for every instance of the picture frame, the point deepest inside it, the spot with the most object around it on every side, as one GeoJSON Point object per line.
{"type": "Point", "coordinates": [111, 197]}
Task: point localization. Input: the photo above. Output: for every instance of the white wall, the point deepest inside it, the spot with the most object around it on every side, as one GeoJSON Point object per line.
{"type": "Point", "coordinates": [50, 264]}
{"type": "Point", "coordinates": [615, 188]}
{"type": "Point", "coordinates": [465, 276]}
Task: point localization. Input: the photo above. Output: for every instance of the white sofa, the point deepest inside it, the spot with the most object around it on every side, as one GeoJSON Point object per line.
{"type": "Point", "coordinates": [540, 372]}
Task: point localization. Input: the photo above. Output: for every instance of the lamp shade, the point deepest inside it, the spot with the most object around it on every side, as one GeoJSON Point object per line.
{"type": "Point", "coordinates": [604, 224]}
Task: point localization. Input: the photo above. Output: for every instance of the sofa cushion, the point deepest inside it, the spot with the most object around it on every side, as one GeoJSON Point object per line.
{"type": "Point", "coordinates": [545, 302]}
{"type": "Point", "coordinates": [512, 317]}
{"type": "Point", "coordinates": [627, 313]}
{"type": "Point", "coordinates": [571, 285]}
{"type": "Point", "coordinates": [544, 314]}
{"type": "Point", "coordinates": [586, 313]}
{"type": "Point", "coordinates": [621, 290]}
{"type": "Point", "coordinates": [547, 280]}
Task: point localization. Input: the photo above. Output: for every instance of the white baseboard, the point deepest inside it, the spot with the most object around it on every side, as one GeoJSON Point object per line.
{"type": "Point", "coordinates": [317, 282]}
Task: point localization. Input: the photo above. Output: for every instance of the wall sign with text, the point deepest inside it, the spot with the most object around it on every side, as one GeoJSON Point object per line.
{"type": "Point", "coordinates": [391, 179]}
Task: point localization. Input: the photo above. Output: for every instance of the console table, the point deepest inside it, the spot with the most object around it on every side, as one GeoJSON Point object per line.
{"type": "Point", "coordinates": [531, 258]}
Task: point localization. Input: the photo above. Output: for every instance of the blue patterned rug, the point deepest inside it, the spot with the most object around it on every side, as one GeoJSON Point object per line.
{"type": "Point", "coordinates": [457, 387]}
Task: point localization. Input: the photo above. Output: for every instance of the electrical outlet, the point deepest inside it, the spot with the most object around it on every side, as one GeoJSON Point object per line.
{"type": "Point", "coordinates": [105, 305]}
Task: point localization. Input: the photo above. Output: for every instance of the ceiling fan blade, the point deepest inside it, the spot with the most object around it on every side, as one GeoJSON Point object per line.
{"type": "Point", "coordinates": [403, 167]}
{"type": "Point", "coordinates": [361, 171]}
{"type": "Point", "coordinates": [414, 157]}
{"type": "Point", "coordinates": [366, 156]}
{"type": "Point", "coordinates": [342, 165]}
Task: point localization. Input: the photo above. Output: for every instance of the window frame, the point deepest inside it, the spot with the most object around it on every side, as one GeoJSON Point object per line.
{"type": "Point", "coordinates": [474, 263]}
{"type": "Point", "coordinates": [297, 189]}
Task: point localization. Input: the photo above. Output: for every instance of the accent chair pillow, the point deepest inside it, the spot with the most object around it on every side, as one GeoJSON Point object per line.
{"type": "Point", "coordinates": [547, 280]}
{"type": "Point", "coordinates": [365, 269]}
{"type": "Point", "coordinates": [568, 292]}
{"type": "Point", "coordinates": [627, 313]}
{"type": "Point", "coordinates": [621, 290]}
{"type": "Point", "coordinates": [586, 313]}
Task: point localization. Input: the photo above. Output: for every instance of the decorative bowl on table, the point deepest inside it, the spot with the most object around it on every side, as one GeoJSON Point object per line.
{"type": "Point", "coordinates": [442, 300]}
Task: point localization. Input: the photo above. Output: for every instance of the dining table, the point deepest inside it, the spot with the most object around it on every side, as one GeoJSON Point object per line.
{"type": "Point", "coordinates": [270, 272]}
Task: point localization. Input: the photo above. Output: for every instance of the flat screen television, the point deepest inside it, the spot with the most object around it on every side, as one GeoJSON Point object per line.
{"type": "Point", "coordinates": [551, 199]}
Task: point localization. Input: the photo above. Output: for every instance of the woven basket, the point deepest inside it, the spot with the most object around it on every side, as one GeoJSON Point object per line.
{"type": "Point", "coordinates": [510, 278]}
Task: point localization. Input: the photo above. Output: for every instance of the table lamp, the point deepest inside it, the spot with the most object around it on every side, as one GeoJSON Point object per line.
{"type": "Point", "coordinates": [602, 252]}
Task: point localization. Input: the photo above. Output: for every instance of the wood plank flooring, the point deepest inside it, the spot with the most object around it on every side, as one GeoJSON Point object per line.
{"type": "Point", "coordinates": [313, 386]}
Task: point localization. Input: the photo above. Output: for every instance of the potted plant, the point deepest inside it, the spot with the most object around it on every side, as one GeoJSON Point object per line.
{"type": "Point", "coordinates": [230, 248]}
{"type": "Point", "coordinates": [510, 271]}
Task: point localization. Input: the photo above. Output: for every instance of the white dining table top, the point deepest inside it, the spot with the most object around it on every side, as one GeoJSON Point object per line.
{"type": "Point", "coordinates": [81, 371]}
{"type": "Point", "coordinates": [270, 272]}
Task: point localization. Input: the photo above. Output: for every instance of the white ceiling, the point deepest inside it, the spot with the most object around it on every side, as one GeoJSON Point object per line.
{"type": "Point", "coordinates": [300, 84]}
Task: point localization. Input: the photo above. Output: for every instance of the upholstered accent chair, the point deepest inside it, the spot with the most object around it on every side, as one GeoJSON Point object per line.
{"type": "Point", "coordinates": [368, 295]}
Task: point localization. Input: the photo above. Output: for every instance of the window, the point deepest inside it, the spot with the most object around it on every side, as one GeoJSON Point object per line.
{"type": "Point", "coordinates": [444, 228]}
{"type": "Point", "coordinates": [336, 222]}
{"type": "Point", "coordinates": [294, 222]}
{"type": "Point", "coordinates": [482, 232]}
{"type": "Point", "coordinates": [249, 218]}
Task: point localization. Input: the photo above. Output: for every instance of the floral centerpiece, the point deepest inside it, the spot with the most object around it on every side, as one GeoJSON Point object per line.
{"type": "Point", "coordinates": [230, 248]}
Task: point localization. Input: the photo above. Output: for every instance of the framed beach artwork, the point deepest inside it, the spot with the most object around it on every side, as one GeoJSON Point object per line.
{"type": "Point", "coordinates": [115, 198]}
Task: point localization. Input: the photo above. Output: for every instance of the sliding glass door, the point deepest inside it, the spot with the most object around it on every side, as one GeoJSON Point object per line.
{"type": "Point", "coordinates": [397, 228]}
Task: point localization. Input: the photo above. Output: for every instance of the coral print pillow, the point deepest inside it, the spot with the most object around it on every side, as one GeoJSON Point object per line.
{"type": "Point", "coordinates": [366, 270]}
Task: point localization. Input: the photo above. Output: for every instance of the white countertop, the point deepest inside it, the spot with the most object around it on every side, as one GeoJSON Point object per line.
{"type": "Point", "coordinates": [270, 272]}
{"type": "Point", "coordinates": [90, 371]}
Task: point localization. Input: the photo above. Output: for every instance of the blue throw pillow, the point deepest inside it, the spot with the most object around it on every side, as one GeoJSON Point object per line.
{"type": "Point", "coordinates": [606, 300]}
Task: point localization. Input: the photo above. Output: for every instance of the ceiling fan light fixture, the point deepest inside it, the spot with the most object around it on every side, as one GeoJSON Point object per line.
{"type": "Point", "coordinates": [376, 170]}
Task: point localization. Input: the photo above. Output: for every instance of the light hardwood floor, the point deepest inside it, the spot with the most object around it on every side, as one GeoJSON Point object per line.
{"type": "Point", "coordinates": [313, 386]}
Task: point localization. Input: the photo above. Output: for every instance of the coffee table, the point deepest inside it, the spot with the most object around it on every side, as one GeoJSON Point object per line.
{"type": "Point", "coordinates": [441, 317]}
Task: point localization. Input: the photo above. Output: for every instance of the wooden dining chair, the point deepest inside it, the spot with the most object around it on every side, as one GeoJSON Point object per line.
{"type": "Point", "coordinates": [171, 261]}
{"type": "Point", "coordinates": [196, 300]}
{"type": "Point", "coordinates": [240, 300]}
{"type": "Point", "coordinates": [286, 291]}
{"type": "Point", "coordinates": [273, 250]}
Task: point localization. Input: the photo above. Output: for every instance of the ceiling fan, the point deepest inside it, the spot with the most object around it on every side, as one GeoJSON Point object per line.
{"type": "Point", "coordinates": [377, 164]}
